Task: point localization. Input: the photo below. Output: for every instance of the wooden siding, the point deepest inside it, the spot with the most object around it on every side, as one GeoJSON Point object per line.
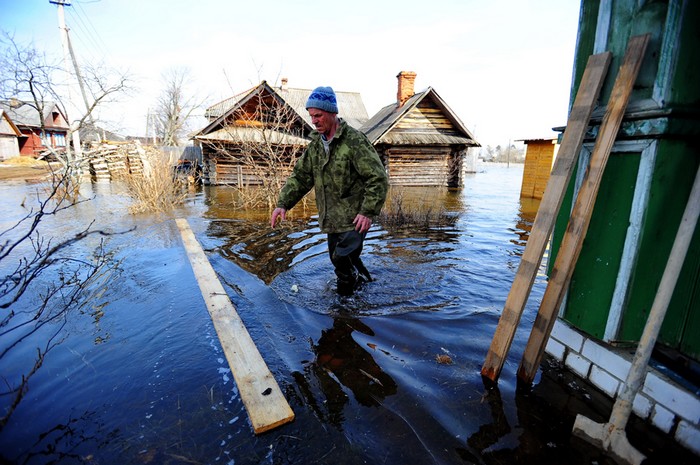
{"type": "Point", "coordinates": [8, 147]}
{"type": "Point", "coordinates": [222, 167]}
{"type": "Point", "coordinates": [419, 149]}
{"type": "Point", "coordinates": [419, 166]}
{"type": "Point", "coordinates": [538, 166]}
{"type": "Point", "coordinates": [424, 120]}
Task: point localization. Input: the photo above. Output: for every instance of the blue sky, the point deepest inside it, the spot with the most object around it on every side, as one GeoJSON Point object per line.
{"type": "Point", "coordinates": [504, 66]}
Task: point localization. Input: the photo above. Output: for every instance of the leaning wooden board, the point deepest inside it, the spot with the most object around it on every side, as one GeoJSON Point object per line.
{"type": "Point", "coordinates": [578, 123]}
{"type": "Point", "coordinates": [575, 233]}
{"type": "Point", "coordinates": [261, 395]}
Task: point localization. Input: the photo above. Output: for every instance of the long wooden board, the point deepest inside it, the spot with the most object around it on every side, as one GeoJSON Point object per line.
{"type": "Point", "coordinates": [261, 395]}
{"type": "Point", "coordinates": [583, 209]}
{"type": "Point", "coordinates": [571, 143]}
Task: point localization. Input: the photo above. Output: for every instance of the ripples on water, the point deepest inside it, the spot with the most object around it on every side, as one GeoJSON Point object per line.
{"type": "Point", "coordinates": [147, 382]}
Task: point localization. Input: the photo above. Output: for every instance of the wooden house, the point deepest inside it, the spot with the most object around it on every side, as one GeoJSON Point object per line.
{"type": "Point", "coordinates": [420, 139]}
{"type": "Point", "coordinates": [539, 157]}
{"type": "Point", "coordinates": [261, 129]}
{"type": "Point", "coordinates": [29, 122]}
{"type": "Point", "coordinates": [9, 137]}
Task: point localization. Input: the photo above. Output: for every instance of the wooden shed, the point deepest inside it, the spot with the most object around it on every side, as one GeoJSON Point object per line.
{"type": "Point", "coordinates": [420, 139]}
{"type": "Point", "coordinates": [261, 130]}
{"type": "Point", "coordinates": [9, 137]}
{"type": "Point", "coordinates": [539, 157]}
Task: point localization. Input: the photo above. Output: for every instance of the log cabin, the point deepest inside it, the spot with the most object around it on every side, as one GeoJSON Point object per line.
{"type": "Point", "coordinates": [264, 128]}
{"type": "Point", "coordinates": [420, 139]}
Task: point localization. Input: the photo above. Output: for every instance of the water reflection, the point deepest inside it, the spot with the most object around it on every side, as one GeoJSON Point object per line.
{"type": "Point", "coordinates": [248, 240]}
{"type": "Point", "coordinates": [263, 251]}
{"type": "Point", "coordinates": [489, 434]}
{"type": "Point", "coordinates": [360, 373]}
{"type": "Point", "coordinates": [527, 210]}
{"type": "Point", "coordinates": [70, 442]}
{"type": "Point", "coordinates": [340, 362]}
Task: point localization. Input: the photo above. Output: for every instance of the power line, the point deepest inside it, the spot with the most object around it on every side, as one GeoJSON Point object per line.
{"type": "Point", "coordinates": [89, 29]}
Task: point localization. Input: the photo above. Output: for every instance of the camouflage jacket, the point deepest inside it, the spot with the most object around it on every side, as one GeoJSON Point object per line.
{"type": "Point", "coordinates": [351, 180]}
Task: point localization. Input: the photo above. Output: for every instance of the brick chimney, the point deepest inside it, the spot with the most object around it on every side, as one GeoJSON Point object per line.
{"type": "Point", "coordinates": [284, 83]}
{"type": "Point", "coordinates": [405, 92]}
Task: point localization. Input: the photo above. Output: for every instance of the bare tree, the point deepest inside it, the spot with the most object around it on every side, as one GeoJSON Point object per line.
{"type": "Point", "coordinates": [29, 76]}
{"type": "Point", "coordinates": [175, 106]}
{"type": "Point", "coordinates": [258, 148]}
{"type": "Point", "coordinates": [44, 280]}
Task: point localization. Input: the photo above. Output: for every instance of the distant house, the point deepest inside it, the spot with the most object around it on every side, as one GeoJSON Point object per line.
{"type": "Point", "coordinates": [9, 137]}
{"type": "Point", "coordinates": [539, 156]}
{"type": "Point", "coordinates": [262, 120]}
{"type": "Point", "coordinates": [29, 122]}
{"type": "Point", "coordinates": [421, 140]}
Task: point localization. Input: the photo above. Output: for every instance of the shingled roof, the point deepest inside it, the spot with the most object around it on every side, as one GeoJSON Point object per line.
{"type": "Point", "coordinates": [379, 128]}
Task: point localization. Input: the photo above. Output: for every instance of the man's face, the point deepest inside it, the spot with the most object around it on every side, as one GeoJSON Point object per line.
{"type": "Point", "coordinates": [322, 120]}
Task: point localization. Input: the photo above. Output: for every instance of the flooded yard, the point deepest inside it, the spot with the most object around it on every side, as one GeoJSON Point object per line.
{"type": "Point", "coordinates": [390, 375]}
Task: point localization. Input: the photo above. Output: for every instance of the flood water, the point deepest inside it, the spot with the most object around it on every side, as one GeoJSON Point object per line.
{"type": "Point", "coordinates": [139, 376]}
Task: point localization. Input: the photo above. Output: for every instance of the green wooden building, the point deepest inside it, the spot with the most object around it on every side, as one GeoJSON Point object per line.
{"type": "Point", "coordinates": [647, 179]}
{"type": "Point", "coordinates": [638, 209]}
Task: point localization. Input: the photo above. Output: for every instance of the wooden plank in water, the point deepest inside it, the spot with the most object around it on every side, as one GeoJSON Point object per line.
{"type": "Point", "coordinates": [261, 395]}
{"type": "Point", "coordinates": [576, 127]}
{"type": "Point", "coordinates": [572, 241]}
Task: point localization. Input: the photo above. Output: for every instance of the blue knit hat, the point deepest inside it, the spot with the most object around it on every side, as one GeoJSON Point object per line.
{"type": "Point", "coordinates": [323, 98]}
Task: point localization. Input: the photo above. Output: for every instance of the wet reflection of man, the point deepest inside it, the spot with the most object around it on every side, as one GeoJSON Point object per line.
{"type": "Point", "coordinates": [341, 361]}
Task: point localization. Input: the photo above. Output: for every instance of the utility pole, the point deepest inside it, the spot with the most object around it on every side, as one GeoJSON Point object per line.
{"type": "Point", "coordinates": [69, 59]}
{"type": "Point", "coordinates": [508, 155]}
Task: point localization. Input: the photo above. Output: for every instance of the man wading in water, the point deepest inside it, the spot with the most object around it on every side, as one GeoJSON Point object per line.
{"type": "Point", "coordinates": [350, 183]}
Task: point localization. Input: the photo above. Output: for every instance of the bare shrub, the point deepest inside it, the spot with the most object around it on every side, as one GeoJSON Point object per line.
{"type": "Point", "coordinates": [159, 188]}
{"type": "Point", "coordinates": [258, 148]}
{"type": "Point", "coordinates": [400, 211]}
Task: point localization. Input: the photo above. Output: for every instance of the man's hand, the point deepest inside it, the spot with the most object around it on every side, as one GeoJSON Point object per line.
{"type": "Point", "coordinates": [278, 213]}
{"type": "Point", "coordinates": [362, 223]}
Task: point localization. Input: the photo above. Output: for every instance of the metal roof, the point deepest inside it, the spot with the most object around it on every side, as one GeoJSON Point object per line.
{"type": "Point", "coordinates": [24, 114]}
{"type": "Point", "coordinates": [223, 106]}
{"type": "Point", "coordinates": [256, 135]}
{"type": "Point", "coordinates": [11, 124]}
{"type": "Point", "coordinates": [350, 105]}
